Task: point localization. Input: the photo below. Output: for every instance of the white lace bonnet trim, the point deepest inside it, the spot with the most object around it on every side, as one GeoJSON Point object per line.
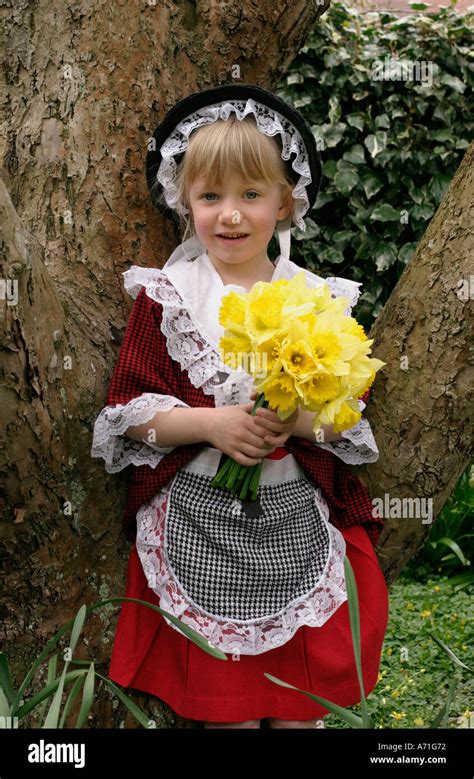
{"type": "Point", "coordinates": [250, 637]}
{"type": "Point", "coordinates": [269, 122]}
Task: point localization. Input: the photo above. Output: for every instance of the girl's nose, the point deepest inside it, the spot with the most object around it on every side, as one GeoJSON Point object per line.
{"type": "Point", "coordinates": [229, 210]}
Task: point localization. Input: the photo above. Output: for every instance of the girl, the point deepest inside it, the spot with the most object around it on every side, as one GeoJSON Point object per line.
{"type": "Point", "coordinates": [262, 580]}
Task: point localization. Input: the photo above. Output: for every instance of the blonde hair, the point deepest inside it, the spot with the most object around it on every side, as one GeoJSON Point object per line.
{"type": "Point", "coordinates": [226, 146]}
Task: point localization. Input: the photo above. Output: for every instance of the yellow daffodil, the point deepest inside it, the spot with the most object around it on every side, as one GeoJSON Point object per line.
{"type": "Point", "coordinates": [319, 388]}
{"type": "Point", "coordinates": [302, 350]}
{"type": "Point", "coordinates": [279, 391]}
{"type": "Point", "coordinates": [232, 311]}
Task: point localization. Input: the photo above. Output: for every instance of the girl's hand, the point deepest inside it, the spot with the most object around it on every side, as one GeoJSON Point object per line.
{"type": "Point", "coordinates": [275, 431]}
{"type": "Point", "coordinates": [233, 430]}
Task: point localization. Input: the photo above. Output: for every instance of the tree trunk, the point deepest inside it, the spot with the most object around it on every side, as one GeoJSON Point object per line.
{"type": "Point", "coordinates": [421, 407]}
{"type": "Point", "coordinates": [86, 85]}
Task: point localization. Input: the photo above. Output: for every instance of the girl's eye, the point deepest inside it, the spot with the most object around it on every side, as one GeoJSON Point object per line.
{"type": "Point", "coordinates": [213, 194]}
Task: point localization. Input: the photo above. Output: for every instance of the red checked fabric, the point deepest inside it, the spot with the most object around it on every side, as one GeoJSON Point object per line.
{"type": "Point", "coordinates": [144, 365]}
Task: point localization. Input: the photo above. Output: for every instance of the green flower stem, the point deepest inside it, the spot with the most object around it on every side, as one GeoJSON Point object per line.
{"type": "Point", "coordinates": [239, 478]}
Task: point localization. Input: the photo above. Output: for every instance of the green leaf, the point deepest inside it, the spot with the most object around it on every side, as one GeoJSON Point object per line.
{"type": "Point", "coordinates": [333, 256]}
{"type": "Point", "coordinates": [355, 120]}
{"type": "Point", "coordinates": [300, 102]}
{"type": "Point", "coordinates": [329, 168]}
{"type": "Point", "coordinates": [385, 213]}
{"type": "Point", "coordinates": [345, 714]}
{"type": "Point", "coordinates": [4, 704]}
{"type": "Point", "coordinates": [87, 697]}
{"type": "Point", "coordinates": [438, 186]}
{"type": "Point", "coordinates": [47, 692]}
{"type": "Point", "coordinates": [5, 678]}
{"type": "Point", "coordinates": [382, 121]}
{"type": "Point", "coordinates": [423, 211]}
{"type": "Point", "coordinates": [454, 82]}
{"type": "Point", "coordinates": [331, 134]}
{"type": "Point", "coordinates": [371, 184]}
{"type": "Point", "coordinates": [343, 236]}
{"type": "Point", "coordinates": [139, 715]}
{"type": "Point", "coordinates": [376, 143]}
{"type": "Point", "coordinates": [449, 652]}
{"type": "Point", "coordinates": [52, 717]}
{"type": "Point", "coordinates": [345, 180]}
{"type": "Point", "coordinates": [76, 688]}
{"type": "Point", "coordinates": [312, 229]}
{"type": "Point", "coordinates": [406, 252]}
{"type": "Point", "coordinates": [294, 78]}
{"type": "Point", "coordinates": [355, 155]}
{"type": "Point", "coordinates": [385, 256]}
{"type": "Point", "coordinates": [443, 135]}
{"type": "Point", "coordinates": [441, 719]}
{"type": "Point", "coordinates": [454, 547]}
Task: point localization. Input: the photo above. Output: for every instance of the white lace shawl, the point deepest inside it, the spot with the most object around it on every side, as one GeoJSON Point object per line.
{"type": "Point", "coordinates": [195, 350]}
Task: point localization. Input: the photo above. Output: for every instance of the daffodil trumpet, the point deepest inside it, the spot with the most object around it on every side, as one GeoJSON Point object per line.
{"type": "Point", "coordinates": [302, 350]}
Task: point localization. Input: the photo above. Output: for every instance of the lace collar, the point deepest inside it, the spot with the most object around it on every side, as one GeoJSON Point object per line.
{"type": "Point", "coordinates": [190, 292]}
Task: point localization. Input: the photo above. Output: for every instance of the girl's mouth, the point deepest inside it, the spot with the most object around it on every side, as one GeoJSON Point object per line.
{"type": "Point", "coordinates": [238, 239]}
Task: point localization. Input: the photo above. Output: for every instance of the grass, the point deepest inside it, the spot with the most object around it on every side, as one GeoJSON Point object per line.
{"type": "Point", "coordinates": [415, 674]}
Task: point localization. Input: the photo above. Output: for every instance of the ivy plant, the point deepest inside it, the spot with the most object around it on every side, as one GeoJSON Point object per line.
{"type": "Point", "coordinates": [389, 101]}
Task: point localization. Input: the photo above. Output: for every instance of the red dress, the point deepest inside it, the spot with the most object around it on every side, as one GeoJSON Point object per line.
{"type": "Point", "coordinates": [150, 655]}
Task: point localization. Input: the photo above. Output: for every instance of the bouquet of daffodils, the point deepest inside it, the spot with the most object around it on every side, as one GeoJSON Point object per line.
{"type": "Point", "coordinates": [302, 351]}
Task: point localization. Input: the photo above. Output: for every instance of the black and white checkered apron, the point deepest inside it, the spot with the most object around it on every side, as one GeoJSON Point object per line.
{"type": "Point", "coordinates": [238, 563]}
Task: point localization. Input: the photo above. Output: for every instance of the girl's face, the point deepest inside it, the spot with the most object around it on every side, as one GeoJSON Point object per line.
{"type": "Point", "coordinates": [237, 207]}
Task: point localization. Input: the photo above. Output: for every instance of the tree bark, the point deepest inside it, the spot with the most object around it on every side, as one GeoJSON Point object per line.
{"type": "Point", "coordinates": [421, 407]}
{"type": "Point", "coordinates": [86, 85]}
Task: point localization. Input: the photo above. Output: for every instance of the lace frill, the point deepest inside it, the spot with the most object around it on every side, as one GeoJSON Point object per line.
{"type": "Point", "coordinates": [189, 346]}
{"type": "Point", "coordinates": [269, 122]}
{"type": "Point", "coordinates": [249, 637]}
{"type": "Point", "coordinates": [357, 444]}
{"type": "Point", "coordinates": [119, 451]}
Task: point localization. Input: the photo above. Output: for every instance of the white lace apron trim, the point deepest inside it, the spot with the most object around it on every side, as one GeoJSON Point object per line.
{"type": "Point", "coordinates": [248, 637]}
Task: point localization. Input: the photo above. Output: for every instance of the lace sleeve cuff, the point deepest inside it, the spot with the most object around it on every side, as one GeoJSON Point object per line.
{"type": "Point", "coordinates": [357, 445]}
{"type": "Point", "coordinates": [117, 450]}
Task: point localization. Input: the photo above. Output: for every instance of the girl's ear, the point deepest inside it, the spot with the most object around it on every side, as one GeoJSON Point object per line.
{"type": "Point", "coordinates": [286, 204]}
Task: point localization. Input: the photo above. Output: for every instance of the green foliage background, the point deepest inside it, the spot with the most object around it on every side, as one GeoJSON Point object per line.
{"type": "Point", "coordinates": [389, 147]}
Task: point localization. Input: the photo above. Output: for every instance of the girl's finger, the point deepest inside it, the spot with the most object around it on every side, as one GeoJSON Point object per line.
{"type": "Point", "coordinates": [271, 440]}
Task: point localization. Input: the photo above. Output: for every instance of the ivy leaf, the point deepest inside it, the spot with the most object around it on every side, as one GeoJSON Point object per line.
{"type": "Point", "coordinates": [439, 184]}
{"type": "Point", "coordinates": [343, 236]}
{"type": "Point", "coordinates": [454, 82]}
{"type": "Point", "coordinates": [333, 256]}
{"type": "Point", "coordinates": [385, 256]}
{"type": "Point", "coordinates": [294, 78]}
{"type": "Point", "coordinates": [443, 135]}
{"type": "Point", "coordinates": [382, 121]}
{"type": "Point", "coordinates": [329, 168]}
{"type": "Point", "coordinates": [423, 211]}
{"type": "Point", "coordinates": [355, 155]}
{"type": "Point", "coordinates": [312, 230]}
{"type": "Point", "coordinates": [376, 143]}
{"type": "Point", "coordinates": [371, 184]}
{"type": "Point", "coordinates": [302, 101]}
{"type": "Point", "coordinates": [355, 120]}
{"type": "Point", "coordinates": [345, 180]}
{"type": "Point", "coordinates": [330, 133]}
{"type": "Point", "coordinates": [385, 213]}
{"type": "Point", "coordinates": [406, 252]}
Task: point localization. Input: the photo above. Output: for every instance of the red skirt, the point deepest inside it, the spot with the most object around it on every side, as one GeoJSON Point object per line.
{"type": "Point", "coordinates": [151, 656]}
